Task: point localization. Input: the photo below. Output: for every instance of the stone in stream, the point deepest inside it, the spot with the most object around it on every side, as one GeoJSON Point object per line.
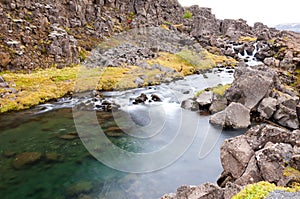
{"type": "Point", "coordinates": [79, 188]}
{"type": "Point", "coordinates": [25, 159]}
{"type": "Point", "coordinates": [155, 98]}
{"type": "Point", "coordinates": [235, 116]}
{"type": "Point", "coordinates": [69, 136]}
{"type": "Point", "coordinates": [52, 157]}
{"type": "Point", "coordinates": [190, 104]}
{"type": "Point", "coordinates": [140, 99]}
{"type": "Point", "coordinates": [205, 98]}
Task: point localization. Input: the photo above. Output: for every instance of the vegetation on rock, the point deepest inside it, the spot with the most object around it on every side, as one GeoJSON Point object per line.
{"type": "Point", "coordinates": [261, 190]}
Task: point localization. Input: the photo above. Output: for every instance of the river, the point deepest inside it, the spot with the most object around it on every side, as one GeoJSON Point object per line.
{"type": "Point", "coordinates": [75, 172]}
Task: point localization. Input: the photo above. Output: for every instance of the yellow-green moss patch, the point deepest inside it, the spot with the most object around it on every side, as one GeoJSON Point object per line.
{"type": "Point", "coordinates": [261, 190]}
{"type": "Point", "coordinates": [187, 62]}
{"type": "Point", "coordinates": [218, 90]}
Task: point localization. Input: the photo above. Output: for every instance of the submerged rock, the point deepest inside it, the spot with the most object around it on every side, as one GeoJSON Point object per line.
{"type": "Point", "coordinates": [25, 159]}
{"type": "Point", "coordinates": [234, 116]}
{"type": "Point", "coordinates": [80, 188]}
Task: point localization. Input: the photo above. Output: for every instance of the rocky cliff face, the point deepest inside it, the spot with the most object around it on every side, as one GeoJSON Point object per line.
{"type": "Point", "coordinates": [41, 34]}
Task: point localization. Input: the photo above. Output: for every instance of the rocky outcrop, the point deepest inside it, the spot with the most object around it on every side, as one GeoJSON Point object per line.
{"type": "Point", "coordinates": [251, 85]}
{"type": "Point", "coordinates": [235, 116]}
{"type": "Point", "coordinates": [262, 91]}
{"type": "Point", "coordinates": [263, 153]}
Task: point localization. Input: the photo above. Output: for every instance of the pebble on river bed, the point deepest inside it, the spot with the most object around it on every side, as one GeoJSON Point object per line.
{"type": "Point", "coordinates": [24, 159]}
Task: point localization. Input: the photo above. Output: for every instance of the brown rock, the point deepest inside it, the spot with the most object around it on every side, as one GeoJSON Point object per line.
{"type": "Point", "coordinates": [4, 59]}
{"type": "Point", "coordinates": [271, 160]}
{"type": "Point", "coordinates": [235, 155]}
{"type": "Point", "coordinates": [24, 159]}
{"type": "Point", "coordinates": [204, 191]}
{"type": "Point", "coordinates": [52, 157]}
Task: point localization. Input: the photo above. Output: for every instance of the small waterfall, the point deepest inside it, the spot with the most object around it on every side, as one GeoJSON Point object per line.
{"type": "Point", "coordinates": [249, 59]}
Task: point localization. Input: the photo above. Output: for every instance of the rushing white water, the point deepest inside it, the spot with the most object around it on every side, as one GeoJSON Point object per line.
{"type": "Point", "coordinates": [249, 59]}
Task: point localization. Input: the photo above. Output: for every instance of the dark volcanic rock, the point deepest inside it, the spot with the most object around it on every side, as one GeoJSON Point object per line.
{"type": "Point", "coordinates": [140, 99]}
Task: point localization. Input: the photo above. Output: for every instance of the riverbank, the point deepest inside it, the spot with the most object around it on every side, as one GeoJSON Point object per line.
{"type": "Point", "coordinates": [107, 69]}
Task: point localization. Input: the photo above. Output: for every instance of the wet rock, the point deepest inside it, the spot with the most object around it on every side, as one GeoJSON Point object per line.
{"type": "Point", "coordinates": [80, 188]}
{"type": "Point", "coordinates": [190, 104]}
{"type": "Point", "coordinates": [140, 99]}
{"type": "Point", "coordinates": [205, 98]}
{"type": "Point", "coordinates": [155, 98]}
{"type": "Point", "coordinates": [234, 116]}
{"type": "Point", "coordinates": [109, 106]}
{"type": "Point", "coordinates": [26, 159]}
{"type": "Point", "coordinates": [52, 157]}
{"type": "Point", "coordinates": [69, 136]}
{"type": "Point", "coordinates": [267, 107]}
{"type": "Point", "coordinates": [218, 105]}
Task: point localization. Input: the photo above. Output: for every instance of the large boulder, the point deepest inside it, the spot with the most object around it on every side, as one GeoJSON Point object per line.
{"type": "Point", "coordinates": [234, 116]}
{"type": "Point", "coordinates": [251, 85]}
{"type": "Point", "coordinates": [235, 156]}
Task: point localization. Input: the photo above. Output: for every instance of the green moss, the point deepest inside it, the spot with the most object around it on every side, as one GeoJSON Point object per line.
{"type": "Point", "coordinates": [218, 90]}
{"type": "Point", "coordinates": [261, 190]}
{"type": "Point", "coordinates": [187, 15]}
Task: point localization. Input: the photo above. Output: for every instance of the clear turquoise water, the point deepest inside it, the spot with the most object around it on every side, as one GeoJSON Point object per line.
{"type": "Point", "coordinates": [40, 133]}
{"type": "Point", "coordinates": [78, 174]}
